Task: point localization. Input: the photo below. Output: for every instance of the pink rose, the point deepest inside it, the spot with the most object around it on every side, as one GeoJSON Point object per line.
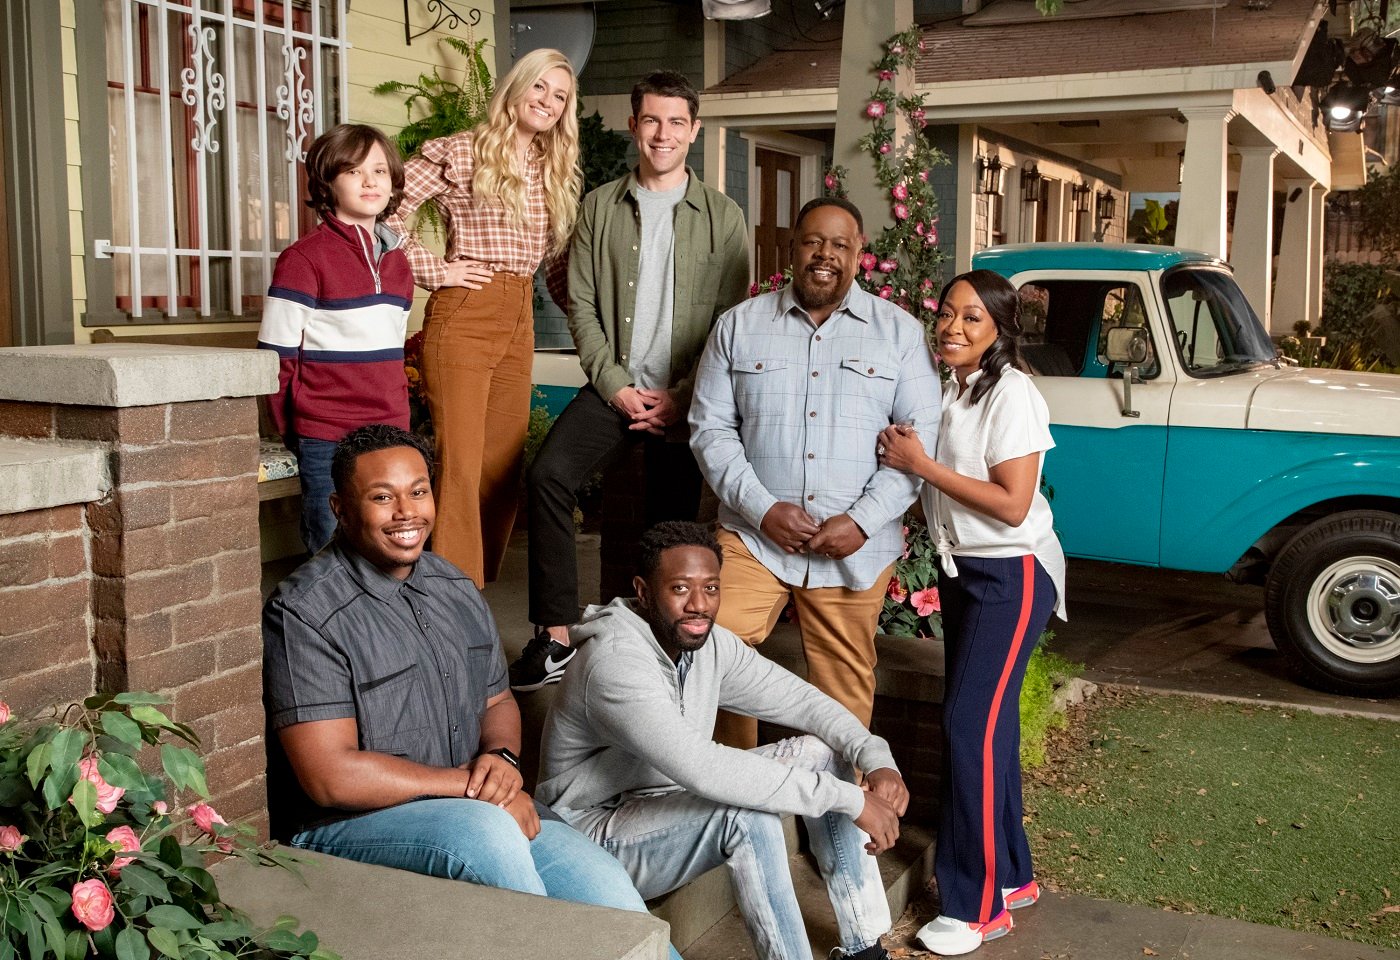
{"type": "Point", "coordinates": [128, 842]}
{"type": "Point", "coordinates": [867, 261]}
{"type": "Point", "coordinates": [930, 303]}
{"type": "Point", "coordinates": [896, 48]}
{"type": "Point", "coordinates": [4, 712]}
{"type": "Point", "coordinates": [886, 292]}
{"type": "Point", "coordinates": [932, 237]}
{"type": "Point", "coordinates": [776, 280]}
{"type": "Point", "coordinates": [923, 175]}
{"type": "Point", "coordinates": [900, 191]}
{"type": "Point", "coordinates": [884, 148]}
{"type": "Point", "coordinates": [919, 228]}
{"type": "Point", "coordinates": [205, 817]}
{"type": "Point", "coordinates": [753, 292]}
{"type": "Point", "coordinates": [896, 591]}
{"type": "Point", "coordinates": [917, 115]}
{"type": "Point", "coordinates": [869, 275]}
{"type": "Point", "coordinates": [886, 74]}
{"type": "Point", "coordinates": [830, 181]}
{"type": "Point", "coordinates": [107, 795]}
{"type": "Point", "coordinates": [889, 266]}
{"type": "Point", "coordinates": [921, 45]}
{"type": "Point", "coordinates": [926, 602]}
{"type": "Point", "coordinates": [160, 808]}
{"type": "Point", "coordinates": [11, 839]}
{"type": "Point", "coordinates": [901, 212]}
{"type": "Point", "coordinates": [925, 285]}
{"type": "Point", "coordinates": [92, 904]}
{"type": "Point", "coordinates": [875, 109]}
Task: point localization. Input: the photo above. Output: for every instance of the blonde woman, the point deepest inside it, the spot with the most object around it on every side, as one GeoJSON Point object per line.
{"type": "Point", "coordinates": [508, 191]}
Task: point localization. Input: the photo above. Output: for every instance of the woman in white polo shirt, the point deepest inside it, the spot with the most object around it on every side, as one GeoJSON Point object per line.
{"type": "Point", "coordinates": [1003, 574]}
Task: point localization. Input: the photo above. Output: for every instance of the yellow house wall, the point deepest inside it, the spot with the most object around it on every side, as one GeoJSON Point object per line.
{"type": "Point", "coordinates": [377, 53]}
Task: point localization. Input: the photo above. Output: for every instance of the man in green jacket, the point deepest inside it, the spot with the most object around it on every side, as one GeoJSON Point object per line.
{"type": "Point", "coordinates": [656, 257]}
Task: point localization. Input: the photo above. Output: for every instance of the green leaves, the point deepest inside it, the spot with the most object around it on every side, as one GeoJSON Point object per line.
{"type": "Point", "coordinates": [85, 802]}
{"type": "Point", "coordinates": [184, 768]}
{"type": "Point", "coordinates": [131, 945]}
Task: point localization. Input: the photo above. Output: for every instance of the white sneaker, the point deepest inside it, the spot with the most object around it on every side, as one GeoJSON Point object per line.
{"type": "Point", "coordinates": [1017, 897]}
{"type": "Point", "coordinates": [951, 938]}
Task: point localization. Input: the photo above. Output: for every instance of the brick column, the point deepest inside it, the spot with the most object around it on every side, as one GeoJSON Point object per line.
{"type": "Point", "coordinates": [172, 545]}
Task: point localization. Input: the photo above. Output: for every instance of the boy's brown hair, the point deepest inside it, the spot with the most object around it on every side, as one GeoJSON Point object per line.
{"type": "Point", "coordinates": [341, 148]}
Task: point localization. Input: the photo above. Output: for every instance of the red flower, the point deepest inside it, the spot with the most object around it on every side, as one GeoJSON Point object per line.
{"type": "Point", "coordinates": [886, 74]}
{"type": "Point", "coordinates": [900, 191]}
{"type": "Point", "coordinates": [889, 266]}
{"type": "Point", "coordinates": [901, 212]}
{"type": "Point", "coordinates": [753, 289]}
{"type": "Point", "coordinates": [875, 109]}
{"type": "Point", "coordinates": [831, 181]}
{"type": "Point", "coordinates": [4, 712]}
{"type": "Point", "coordinates": [867, 261]}
{"type": "Point", "coordinates": [92, 904]}
{"type": "Point", "coordinates": [926, 602]}
{"type": "Point", "coordinates": [884, 148]}
{"type": "Point", "coordinates": [896, 591]}
{"type": "Point", "coordinates": [917, 115]}
{"type": "Point", "coordinates": [923, 175]}
{"type": "Point", "coordinates": [886, 292]}
{"type": "Point", "coordinates": [930, 303]}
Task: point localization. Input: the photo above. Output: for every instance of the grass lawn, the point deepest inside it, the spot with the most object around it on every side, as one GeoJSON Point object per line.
{"type": "Point", "coordinates": [1268, 815]}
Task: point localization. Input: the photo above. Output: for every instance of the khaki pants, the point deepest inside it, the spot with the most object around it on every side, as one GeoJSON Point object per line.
{"type": "Point", "coordinates": [837, 625]}
{"type": "Point", "coordinates": [478, 349]}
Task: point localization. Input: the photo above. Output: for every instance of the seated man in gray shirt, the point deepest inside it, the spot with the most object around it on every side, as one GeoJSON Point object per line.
{"type": "Point", "coordinates": [392, 730]}
{"type": "Point", "coordinates": [627, 757]}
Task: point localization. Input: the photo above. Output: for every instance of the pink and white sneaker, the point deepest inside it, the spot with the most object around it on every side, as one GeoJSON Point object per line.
{"type": "Point", "coordinates": [951, 938]}
{"type": "Point", "coordinates": [1017, 897]}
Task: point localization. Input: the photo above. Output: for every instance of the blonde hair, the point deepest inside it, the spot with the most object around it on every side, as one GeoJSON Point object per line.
{"type": "Point", "coordinates": [498, 173]}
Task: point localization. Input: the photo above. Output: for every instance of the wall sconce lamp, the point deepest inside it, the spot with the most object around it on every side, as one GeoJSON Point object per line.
{"type": "Point", "coordinates": [1106, 206]}
{"type": "Point", "coordinates": [1032, 184]}
{"type": "Point", "coordinates": [1079, 194]}
{"type": "Point", "coordinates": [989, 175]}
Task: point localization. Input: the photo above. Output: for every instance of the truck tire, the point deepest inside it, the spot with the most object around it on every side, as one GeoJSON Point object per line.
{"type": "Point", "coordinates": [1332, 600]}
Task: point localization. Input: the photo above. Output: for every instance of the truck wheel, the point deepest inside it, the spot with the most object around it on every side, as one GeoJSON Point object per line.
{"type": "Point", "coordinates": [1333, 603]}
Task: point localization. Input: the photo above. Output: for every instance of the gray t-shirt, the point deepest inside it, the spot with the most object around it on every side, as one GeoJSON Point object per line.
{"type": "Point", "coordinates": [650, 363]}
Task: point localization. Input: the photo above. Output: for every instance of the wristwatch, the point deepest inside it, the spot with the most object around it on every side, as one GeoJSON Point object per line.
{"type": "Point", "coordinates": [508, 755]}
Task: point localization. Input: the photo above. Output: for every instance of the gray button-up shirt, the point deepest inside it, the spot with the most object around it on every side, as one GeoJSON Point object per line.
{"type": "Point", "coordinates": [411, 661]}
{"type": "Point", "coordinates": [788, 410]}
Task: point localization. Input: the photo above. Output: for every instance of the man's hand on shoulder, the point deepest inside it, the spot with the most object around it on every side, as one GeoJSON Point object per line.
{"type": "Point", "coordinates": [888, 785]}
{"type": "Point", "coordinates": [880, 820]}
{"type": "Point", "coordinates": [788, 526]}
{"type": "Point", "coordinates": [522, 808]}
{"type": "Point", "coordinates": [493, 779]}
{"type": "Point", "coordinates": [838, 538]}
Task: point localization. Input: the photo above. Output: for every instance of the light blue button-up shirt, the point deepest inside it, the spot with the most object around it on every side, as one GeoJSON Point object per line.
{"type": "Point", "coordinates": [788, 410]}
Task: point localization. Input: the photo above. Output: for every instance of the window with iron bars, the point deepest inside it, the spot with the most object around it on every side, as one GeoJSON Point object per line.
{"type": "Point", "coordinates": [211, 106]}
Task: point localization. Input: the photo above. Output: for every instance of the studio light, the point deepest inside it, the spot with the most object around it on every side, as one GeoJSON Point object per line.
{"type": "Point", "coordinates": [1343, 107]}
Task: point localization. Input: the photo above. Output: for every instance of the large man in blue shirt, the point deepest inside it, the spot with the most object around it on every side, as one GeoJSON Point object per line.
{"type": "Point", "coordinates": [792, 390]}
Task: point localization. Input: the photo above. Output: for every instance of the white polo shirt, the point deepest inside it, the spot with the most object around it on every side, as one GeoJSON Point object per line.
{"type": "Point", "coordinates": [1011, 421]}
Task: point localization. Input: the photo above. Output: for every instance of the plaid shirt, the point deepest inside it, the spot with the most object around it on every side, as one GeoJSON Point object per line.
{"type": "Point", "coordinates": [476, 229]}
{"type": "Point", "coordinates": [785, 410]}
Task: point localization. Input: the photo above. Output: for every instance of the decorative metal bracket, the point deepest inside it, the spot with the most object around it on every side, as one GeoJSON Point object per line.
{"type": "Point", "coordinates": [446, 16]}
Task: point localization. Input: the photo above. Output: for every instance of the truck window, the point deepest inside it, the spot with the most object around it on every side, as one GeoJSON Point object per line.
{"type": "Point", "coordinates": [1215, 330]}
{"type": "Point", "coordinates": [1066, 325]}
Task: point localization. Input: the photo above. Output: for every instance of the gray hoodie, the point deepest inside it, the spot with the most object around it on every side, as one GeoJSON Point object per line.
{"type": "Point", "coordinates": [621, 727]}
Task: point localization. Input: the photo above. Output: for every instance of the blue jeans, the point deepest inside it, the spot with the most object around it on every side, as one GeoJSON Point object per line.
{"type": "Point", "coordinates": [665, 841]}
{"type": "Point", "coordinates": [461, 839]}
{"type": "Point", "coordinates": [314, 467]}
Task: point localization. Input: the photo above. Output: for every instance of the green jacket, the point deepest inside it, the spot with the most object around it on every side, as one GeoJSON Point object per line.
{"type": "Point", "coordinates": [711, 275]}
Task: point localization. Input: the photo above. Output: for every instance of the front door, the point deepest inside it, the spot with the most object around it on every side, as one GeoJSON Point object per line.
{"type": "Point", "coordinates": [778, 203]}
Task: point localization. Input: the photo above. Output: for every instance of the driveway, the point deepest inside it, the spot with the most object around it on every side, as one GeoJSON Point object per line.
{"type": "Point", "coordinates": [1193, 633]}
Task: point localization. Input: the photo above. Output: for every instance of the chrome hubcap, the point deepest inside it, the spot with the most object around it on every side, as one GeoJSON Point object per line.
{"type": "Point", "coordinates": [1354, 609]}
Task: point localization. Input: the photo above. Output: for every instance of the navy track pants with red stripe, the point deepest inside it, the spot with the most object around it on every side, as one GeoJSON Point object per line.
{"type": "Point", "coordinates": [993, 614]}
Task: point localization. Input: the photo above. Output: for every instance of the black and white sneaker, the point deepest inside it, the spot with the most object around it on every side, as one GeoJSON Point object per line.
{"type": "Point", "coordinates": [541, 662]}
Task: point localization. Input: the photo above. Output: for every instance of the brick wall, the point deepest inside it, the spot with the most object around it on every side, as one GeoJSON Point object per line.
{"type": "Point", "coordinates": [153, 587]}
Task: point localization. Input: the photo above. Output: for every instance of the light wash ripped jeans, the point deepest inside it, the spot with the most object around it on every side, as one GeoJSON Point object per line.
{"type": "Point", "coordinates": [667, 840]}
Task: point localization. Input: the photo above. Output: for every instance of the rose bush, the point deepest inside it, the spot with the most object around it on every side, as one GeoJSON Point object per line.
{"type": "Point", "coordinates": [91, 862]}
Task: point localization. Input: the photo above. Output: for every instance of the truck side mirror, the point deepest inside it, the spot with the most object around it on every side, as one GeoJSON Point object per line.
{"type": "Point", "coordinates": [1127, 345]}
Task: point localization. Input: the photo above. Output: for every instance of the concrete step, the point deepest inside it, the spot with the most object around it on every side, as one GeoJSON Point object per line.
{"type": "Point", "coordinates": [905, 870]}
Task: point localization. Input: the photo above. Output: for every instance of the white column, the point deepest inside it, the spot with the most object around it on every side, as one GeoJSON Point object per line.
{"type": "Point", "coordinates": [1252, 243]}
{"type": "Point", "coordinates": [716, 140]}
{"type": "Point", "coordinates": [965, 203]}
{"type": "Point", "coordinates": [1314, 303]}
{"type": "Point", "coordinates": [1293, 292]}
{"type": "Point", "coordinates": [1200, 220]}
{"type": "Point", "coordinates": [866, 26]}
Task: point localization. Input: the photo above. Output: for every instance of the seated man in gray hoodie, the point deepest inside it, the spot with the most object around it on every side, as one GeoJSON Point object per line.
{"type": "Point", "coordinates": [628, 759]}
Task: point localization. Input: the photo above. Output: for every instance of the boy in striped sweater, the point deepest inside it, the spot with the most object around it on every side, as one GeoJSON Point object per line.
{"type": "Point", "coordinates": [337, 312]}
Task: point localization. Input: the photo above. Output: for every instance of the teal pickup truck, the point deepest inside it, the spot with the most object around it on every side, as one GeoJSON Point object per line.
{"type": "Point", "coordinates": [1183, 441]}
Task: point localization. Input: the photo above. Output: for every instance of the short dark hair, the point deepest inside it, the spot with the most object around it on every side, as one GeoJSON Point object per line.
{"type": "Point", "coordinates": [671, 534]}
{"type": "Point", "coordinates": [368, 439]}
{"type": "Point", "coordinates": [341, 148]}
{"type": "Point", "coordinates": [666, 83]}
{"type": "Point", "coordinates": [841, 202]}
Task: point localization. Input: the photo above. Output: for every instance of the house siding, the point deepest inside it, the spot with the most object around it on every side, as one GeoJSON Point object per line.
{"type": "Point", "coordinates": [748, 41]}
{"type": "Point", "coordinates": [736, 170]}
{"type": "Point", "coordinates": [944, 179]}
{"type": "Point", "coordinates": [634, 37]}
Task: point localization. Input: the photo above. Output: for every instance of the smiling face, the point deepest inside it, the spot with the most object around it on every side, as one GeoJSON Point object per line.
{"type": "Point", "coordinates": [386, 510]}
{"type": "Point", "coordinates": [824, 257]}
{"type": "Point", "coordinates": [363, 191]}
{"type": "Point", "coordinates": [664, 131]}
{"type": "Point", "coordinates": [680, 598]}
{"type": "Point", "coordinates": [965, 329]}
{"type": "Point", "coordinates": [544, 102]}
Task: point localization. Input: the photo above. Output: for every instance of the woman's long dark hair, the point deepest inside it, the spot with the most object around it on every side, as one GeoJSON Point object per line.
{"type": "Point", "coordinates": [1004, 304]}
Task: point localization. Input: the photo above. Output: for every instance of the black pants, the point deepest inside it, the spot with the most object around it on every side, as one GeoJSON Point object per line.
{"type": "Point", "coordinates": [588, 437]}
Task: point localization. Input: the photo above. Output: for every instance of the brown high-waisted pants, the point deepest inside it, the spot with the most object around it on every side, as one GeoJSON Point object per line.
{"type": "Point", "coordinates": [478, 352]}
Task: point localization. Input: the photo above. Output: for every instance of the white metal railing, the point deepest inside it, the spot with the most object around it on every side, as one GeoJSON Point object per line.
{"type": "Point", "coordinates": [194, 187]}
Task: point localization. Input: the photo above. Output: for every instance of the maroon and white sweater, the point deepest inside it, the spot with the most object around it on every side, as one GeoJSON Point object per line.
{"type": "Point", "coordinates": [336, 314]}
